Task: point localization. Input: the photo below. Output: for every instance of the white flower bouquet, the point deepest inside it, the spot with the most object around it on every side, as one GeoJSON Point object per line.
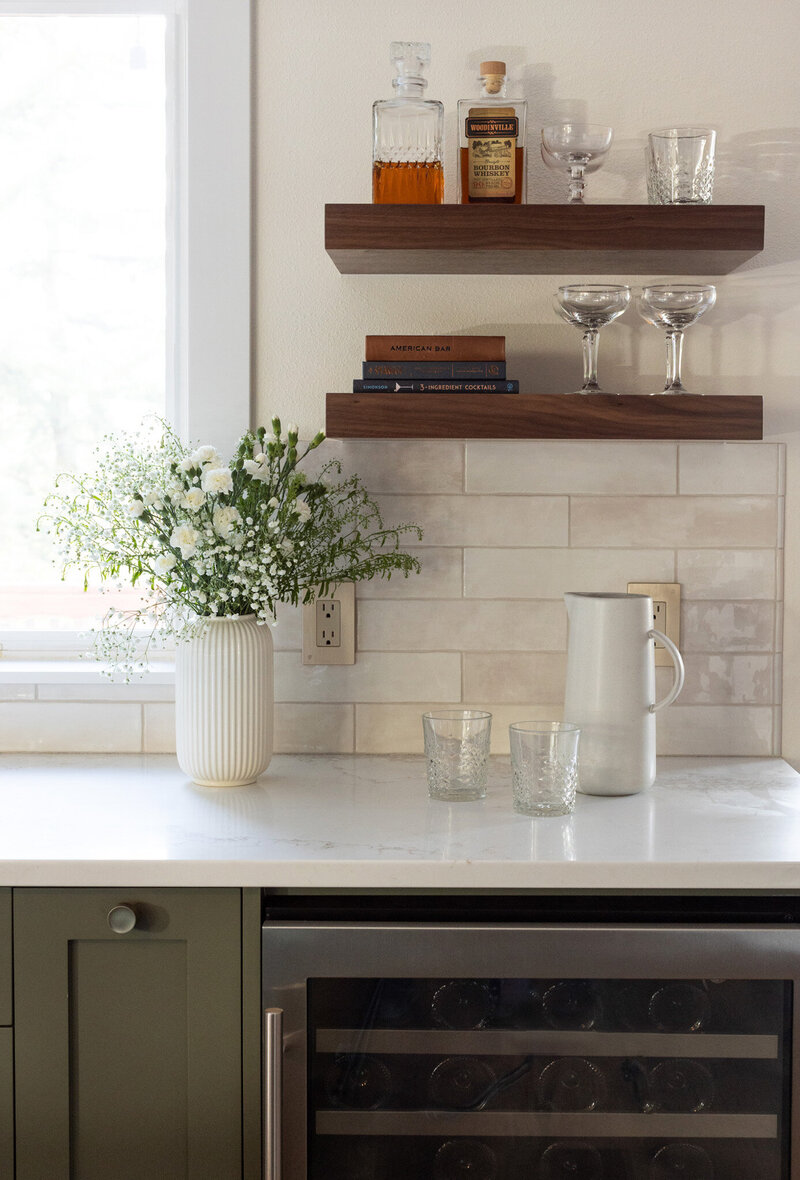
{"type": "Point", "coordinates": [203, 538]}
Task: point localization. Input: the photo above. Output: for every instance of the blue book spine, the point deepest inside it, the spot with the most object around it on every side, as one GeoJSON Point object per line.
{"type": "Point", "coordinates": [433, 370]}
{"type": "Point", "coordinates": [455, 386]}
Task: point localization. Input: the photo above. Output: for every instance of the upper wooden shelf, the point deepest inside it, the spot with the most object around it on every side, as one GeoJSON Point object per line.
{"type": "Point", "coordinates": [542, 415]}
{"type": "Point", "coordinates": [543, 239]}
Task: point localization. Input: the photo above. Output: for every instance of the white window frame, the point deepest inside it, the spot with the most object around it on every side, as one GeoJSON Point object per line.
{"type": "Point", "coordinates": [209, 331]}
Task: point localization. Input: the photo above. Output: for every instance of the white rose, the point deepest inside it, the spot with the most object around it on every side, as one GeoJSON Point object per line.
{"type": "Point", "coordinates": [164, 563]}
{"type": "Point", "coordinates": [186, 538]}
{"type": "Point", "coordinates": [193, 499]}
{"type": "Point", "coordinates": [217, 479]}
{"type": "Point", "coordinates": [187, 463]}
{"type": "Point", "coordinates": [134, 508]}
{"type": "Point", "coordinates": [225, 520]}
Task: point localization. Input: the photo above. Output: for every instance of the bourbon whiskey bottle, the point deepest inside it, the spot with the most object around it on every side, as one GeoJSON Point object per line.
{"type": "Point", "coordinates": [492, 158]}
{"type": "Point", "coordinates": [407, 134]}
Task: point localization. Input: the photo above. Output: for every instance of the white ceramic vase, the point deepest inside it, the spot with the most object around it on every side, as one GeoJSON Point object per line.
{"type": "Point", "coordinates": [224, 702]}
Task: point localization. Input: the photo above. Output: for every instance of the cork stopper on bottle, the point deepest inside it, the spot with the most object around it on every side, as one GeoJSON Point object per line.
{"type": "Point", "coordinates": [493, 74]}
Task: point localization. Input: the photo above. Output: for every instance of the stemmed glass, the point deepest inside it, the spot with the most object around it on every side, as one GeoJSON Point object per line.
{"type": "Point", "coordinates": [575, 146]}
{"type": "Point", "coordinates": [590, 307]}
{"type": "Point", "coordinates": [674, 307]}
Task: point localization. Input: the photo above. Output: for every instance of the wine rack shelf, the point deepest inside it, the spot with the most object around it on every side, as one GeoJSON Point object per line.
{"type": "Point", "coordinates": [541, 415]}
{"type": "Point", "coordinates": [543, 239]}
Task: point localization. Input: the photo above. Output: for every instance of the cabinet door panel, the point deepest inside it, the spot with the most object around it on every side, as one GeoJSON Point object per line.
{"type": "Point", "coordinates": [6, 1103]}
{"type": "Point", "coordinates": [128, 1046]}
{"type": "Point", "coordinates": [5, 956]}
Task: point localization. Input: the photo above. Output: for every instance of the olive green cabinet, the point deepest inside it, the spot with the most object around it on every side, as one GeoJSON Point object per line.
{"type": "Point", "coordinates": [6, 1041]}
{"type": "Point", "coordinates": [136, 1034]}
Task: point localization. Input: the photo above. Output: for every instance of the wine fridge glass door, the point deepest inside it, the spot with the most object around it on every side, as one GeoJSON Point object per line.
{"type": "Point", "coordinates": [612, 1053]}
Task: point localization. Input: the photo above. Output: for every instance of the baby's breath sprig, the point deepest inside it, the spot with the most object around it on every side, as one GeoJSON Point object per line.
{"type": "Point", "coordinates": [203, 539]}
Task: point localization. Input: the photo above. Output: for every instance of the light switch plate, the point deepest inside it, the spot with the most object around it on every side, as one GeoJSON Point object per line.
{"type": "Point", "coordinates": [329, 627]}
{"type": "Point", "coordinates": [666, 598]}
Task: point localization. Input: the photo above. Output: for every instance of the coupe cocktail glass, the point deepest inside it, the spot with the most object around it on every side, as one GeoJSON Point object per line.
{"type": "Point", "coordinates": [574, 146]}
{"type": "Point", "coordinates": [674, 307]}
{"type": "Point", "coordinates": [590, 307]}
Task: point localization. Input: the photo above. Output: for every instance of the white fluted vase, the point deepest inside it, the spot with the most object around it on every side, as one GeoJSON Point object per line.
{"type": "Point", "coordinates": [224, 702]}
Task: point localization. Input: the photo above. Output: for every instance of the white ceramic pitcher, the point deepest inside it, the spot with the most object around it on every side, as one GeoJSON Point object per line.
{"type": "Point", "coordinates": [611, 690]}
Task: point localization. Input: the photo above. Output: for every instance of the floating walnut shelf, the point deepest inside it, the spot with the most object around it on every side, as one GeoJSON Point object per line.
{"type": "Point", "coordinates": [543, 239]}
{"type": "Point", "coordinates": [542, 415]}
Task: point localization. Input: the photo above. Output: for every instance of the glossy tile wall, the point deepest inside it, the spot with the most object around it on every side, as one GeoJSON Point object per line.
{"type": "Point", "coordinates": [509, 527]}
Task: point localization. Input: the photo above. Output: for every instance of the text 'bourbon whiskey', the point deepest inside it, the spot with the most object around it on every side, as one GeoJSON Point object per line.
{"type": "Point", "coordinates": [492, 157]}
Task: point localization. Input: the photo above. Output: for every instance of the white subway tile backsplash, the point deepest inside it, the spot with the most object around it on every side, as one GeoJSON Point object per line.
{"type": "Point", "coordinates": [727, 626]}
{"type": "Point", "coordinates": [314, 729]}
{"type": "Point", "coordinates": [727, 679]}
{"type": "Point", "coordinates": [412, 466]}
{"type": "Point", "coordinates": [68, 727]}
{"type": "Point", "coordinates": [441, 576]}
{"type": "Point", "coordinates": [572, 468]}
{"type": "Point", "coordinates": [536, 677]}
{"type": "Point", "coordinates": [461, 625]}
{"type": "Point", "coordinates": [397, 729]}
{"type": "Point", "coordinates": [727, 573]}
{"type": "Point", "coordinates": [728, 468]}
{"type": "Point", "coordinates": [159, 728]}
{"type": "Point", "coordinates": [714, 522]}
{"type": "Point", "coordinates": [17, 692]}
{"type": "Point", "coordinates": [375, 676]}
{"type": "Point", "coordinates": [734, 730]}
{"type": "Point", "coordinates": [483, 520]}
{"type": "Point", "coordinates": [510, 526]}
{"type": "Point", "coordinates": [548, 573]}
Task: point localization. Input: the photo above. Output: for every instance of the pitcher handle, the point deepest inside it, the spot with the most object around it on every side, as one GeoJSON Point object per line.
{"type": "Point", "coordinates": [677, 660]}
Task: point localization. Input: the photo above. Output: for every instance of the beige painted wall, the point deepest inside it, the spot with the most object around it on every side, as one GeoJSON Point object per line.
{"type": "Point", "coordinates": [632, 64]}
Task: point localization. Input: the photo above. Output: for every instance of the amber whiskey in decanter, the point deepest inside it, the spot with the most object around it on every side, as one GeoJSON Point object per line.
{"type": "Point", "coordinates": [492, 156]}
{"type": "Point", "coordinates": [407, 134]}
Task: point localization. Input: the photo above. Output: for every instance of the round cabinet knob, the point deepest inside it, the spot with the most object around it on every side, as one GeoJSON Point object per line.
{"type": "Point", "coordinates": [121, 919]}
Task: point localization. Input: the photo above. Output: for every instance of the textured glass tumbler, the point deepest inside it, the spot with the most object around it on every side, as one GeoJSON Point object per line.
{"type": "Point", "coordinates": [680, 166]}
{"type": "Point", "coordinates": [457, 750]}
{"type": "Point", "coordinates": [544, 766]}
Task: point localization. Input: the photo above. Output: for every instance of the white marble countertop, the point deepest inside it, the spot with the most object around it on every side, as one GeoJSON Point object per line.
{"type": "Point", "coordinates": [329, 821]}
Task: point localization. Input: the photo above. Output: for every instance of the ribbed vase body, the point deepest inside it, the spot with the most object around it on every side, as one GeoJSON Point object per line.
{"type": "Point", "coordinates": [224, 702]}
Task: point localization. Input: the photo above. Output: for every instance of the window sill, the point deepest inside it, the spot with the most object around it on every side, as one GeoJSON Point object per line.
{"type": "Point", "coordinates": [82, 680]}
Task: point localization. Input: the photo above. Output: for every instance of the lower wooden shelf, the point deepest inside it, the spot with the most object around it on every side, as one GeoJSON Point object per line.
{"type": "Point", "coordinates": [543, 415]}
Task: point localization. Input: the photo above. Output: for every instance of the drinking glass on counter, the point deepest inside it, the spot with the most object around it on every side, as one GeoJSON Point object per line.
{"type": "Point", "coordinates": [590, 306]}
{"type": "Point", "coordinates": [544, 766]}
{"type": "Point", "coordinates": [457, 750]}
{"type": "Point", "coordinates": [680, 166]}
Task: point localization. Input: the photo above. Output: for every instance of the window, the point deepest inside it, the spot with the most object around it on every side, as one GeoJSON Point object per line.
{"type": "Point", "coordinates": [124, 255]}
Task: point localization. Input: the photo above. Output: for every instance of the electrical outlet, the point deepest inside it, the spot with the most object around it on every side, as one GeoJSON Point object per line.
{"type": "Point", "coordinates": [329, 627]}
{"type": "Point", "coordinates": [666, 598]}
{"type": "Point", "coordinates": [329, 622]}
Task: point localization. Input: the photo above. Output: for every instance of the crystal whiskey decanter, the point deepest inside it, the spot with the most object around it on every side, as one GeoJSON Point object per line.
{"type": "Point", "coordinates": [407, 134]}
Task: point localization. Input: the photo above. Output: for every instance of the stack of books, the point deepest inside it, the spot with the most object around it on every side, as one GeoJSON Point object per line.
{"type": "Point", "coordinates": [435, 364]}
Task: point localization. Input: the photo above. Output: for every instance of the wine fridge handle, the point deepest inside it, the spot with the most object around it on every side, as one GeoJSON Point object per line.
{"type": "Point", "coordinates": [273, 1091]}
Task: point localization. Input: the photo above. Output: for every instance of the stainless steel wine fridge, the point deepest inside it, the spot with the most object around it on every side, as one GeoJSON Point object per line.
{"type": "Point", "coordinates": [552, 1038]}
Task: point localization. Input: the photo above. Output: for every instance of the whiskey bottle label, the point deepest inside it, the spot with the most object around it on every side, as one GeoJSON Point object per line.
{"type": "Point", "coordinates": [492, 137]}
